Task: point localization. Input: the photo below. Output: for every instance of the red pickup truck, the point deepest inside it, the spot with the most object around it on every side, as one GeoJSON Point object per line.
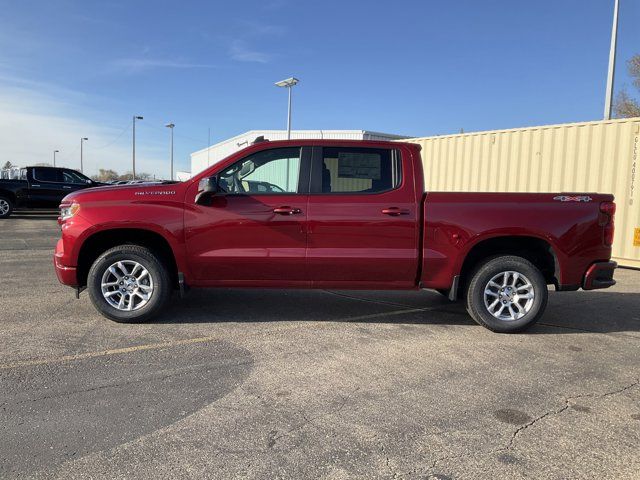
{"type": "Point", "coordinates": [332, 214]}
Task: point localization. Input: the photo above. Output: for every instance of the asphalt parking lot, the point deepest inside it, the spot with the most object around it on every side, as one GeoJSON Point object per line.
{"type": "Point", "coordinates": [309, 384]}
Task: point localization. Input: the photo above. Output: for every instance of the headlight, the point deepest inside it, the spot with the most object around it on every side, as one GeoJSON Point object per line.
{"type": "Point", "coordinates": [68, 211]}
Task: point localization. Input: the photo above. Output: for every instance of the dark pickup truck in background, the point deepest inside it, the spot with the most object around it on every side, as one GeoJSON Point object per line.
{"type": "Point", "coordinates": [332, 215]}
{"type": "Point", "coordinates": [40, 187]}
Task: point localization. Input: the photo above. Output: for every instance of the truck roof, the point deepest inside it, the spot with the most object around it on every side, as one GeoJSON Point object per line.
{"type": "Point", "coordinates": [329, 141]}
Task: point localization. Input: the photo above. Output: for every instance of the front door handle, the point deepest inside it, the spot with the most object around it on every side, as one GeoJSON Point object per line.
{"type": "Point", "coordinates": [286, 210]}
{"type": "Point", "coordinates": [395, 211]}
{"type": "Point", "coordinates": [67, 187]}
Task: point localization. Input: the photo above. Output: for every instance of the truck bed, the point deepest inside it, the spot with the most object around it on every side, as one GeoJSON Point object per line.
{"type": "Point", "coordinates": [457, 222]}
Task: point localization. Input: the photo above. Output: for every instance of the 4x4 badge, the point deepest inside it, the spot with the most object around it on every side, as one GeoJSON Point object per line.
{"type": "Point", "coordinates": [576, 198]}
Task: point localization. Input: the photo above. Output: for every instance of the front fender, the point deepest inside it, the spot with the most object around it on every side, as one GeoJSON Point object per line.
{"type": "Point", "coordinates": [166, 221]}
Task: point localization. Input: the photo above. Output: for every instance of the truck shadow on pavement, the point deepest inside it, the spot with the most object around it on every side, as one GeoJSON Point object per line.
{"type": "Point", "coordinates": [61, 412]}
{"type": "Point", "coordinates": [597, 312]}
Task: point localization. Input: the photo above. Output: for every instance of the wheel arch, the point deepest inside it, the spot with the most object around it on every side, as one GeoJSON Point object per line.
{"type": "Point", "coordinates": [537, 250]}
{"type": "Point", "coordinates": [101, 241]}
{"type": "Point", "coordinates": [9, 195]}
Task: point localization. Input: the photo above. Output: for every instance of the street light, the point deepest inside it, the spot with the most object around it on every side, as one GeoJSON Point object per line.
{"type": "Point", "coordinates": [288, 83]}
{"type": "Point", "coordinates": [133, 172]}
{"type": "Point", "coordinates": [170, 126]}
{"type": "Point", "coordinates": [54, 156]}
{"type": "Point", "coordinates": [82, 140]}
{"type": "Point", "coordinates": [608, 99]}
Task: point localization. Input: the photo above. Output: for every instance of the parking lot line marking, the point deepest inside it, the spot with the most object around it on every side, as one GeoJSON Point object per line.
{"type": "Point", "coordinates": [177, 343]}
{"type": "Point", "coordinates": [387, 314]}
{"type": "Point", "coordinates": [104, 353]}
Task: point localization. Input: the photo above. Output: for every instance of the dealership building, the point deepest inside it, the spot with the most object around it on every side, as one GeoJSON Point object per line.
{"type": "Point", "coordinates": [213, 154]}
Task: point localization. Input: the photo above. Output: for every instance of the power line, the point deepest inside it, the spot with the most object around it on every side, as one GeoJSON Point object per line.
{"type": "Point", "coordinates": [125, 129]}
{"type": "Point", "coordinates": [66, 157]}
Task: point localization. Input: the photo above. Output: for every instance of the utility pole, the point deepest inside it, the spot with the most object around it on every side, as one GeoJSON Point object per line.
{"type": "Point", "coordinates": [289, 116]}
{"type": "Point", "coordinates": [170, 127]}
{"type": "Point", "coordinates": [288, 83]}
{"type": "Point", "coordinates": [82, 140]}
{"type": "Point", "coordinates": [608, 101]}
{"type": "Point", "coordinates": [54, 157]}
{"type": "Point", "coordinates": [135, 117]}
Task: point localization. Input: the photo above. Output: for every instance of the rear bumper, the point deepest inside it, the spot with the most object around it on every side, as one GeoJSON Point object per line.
{"type": "Point", "coordinates": [599, 275]}
{"type": "Point", "coordinates": [66, 275]}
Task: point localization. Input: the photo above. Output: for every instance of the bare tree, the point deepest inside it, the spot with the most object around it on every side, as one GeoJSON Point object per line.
{"type": "Point", "coordinates": [106, 175]}
{"type": "Point", "coordinates": [144, 176]}
{"type": "Point", "coordinates": [625, 105]}
{"type": "Point", "coordinates": [139, 176]}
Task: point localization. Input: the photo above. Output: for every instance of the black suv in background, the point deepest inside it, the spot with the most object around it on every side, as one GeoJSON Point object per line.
{"type": "Point", "coordinates": [40, 187]}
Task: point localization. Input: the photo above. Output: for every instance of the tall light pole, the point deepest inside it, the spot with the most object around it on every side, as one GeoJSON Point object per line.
{"type": "Point", "coordinates": [288, 83]}
{"type": "Point", "coordinates": [608, 100]}
{"type": "Point", "coordinates": [82, 140]}
{"type": "Point", "coordinates": [133, 172]}
{"type": "Point", "coordinates": [170, 127]}
{"type": "Point", "coordinates": [54, 156]}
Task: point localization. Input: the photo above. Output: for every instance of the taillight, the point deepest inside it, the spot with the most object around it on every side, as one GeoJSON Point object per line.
{"type": "Point", "coordinates": [608, 209]}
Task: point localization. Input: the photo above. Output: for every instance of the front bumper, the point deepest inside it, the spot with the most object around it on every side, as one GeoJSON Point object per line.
{"type": "Point", "coordinates": [599, 275]}
{"type": "Point", "coordinates": [66, 275]}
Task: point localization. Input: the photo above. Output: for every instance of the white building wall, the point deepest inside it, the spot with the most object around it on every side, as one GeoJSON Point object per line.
{"type": "Point", "coordinates": [209, 156]}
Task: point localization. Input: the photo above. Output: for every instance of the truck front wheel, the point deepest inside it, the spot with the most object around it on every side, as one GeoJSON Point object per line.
{"type": "Point", "coordinates": [128, 284]}
{"type": "Point", "coordinates": [507, 294]}
{"type": "Point", "coordinates": [6, 207]}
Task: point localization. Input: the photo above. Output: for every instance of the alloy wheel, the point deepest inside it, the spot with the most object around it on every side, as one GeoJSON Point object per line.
{"type": "Point", "coordinates": [127, 285]}
{"type": "Point", "coordinates": [4, 206]}
{"type": "Point", "coordinates": [509, 296]}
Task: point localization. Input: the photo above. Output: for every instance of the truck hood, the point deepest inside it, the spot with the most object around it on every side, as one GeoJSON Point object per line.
{"type": "Point", "coordinates": [125, 192]}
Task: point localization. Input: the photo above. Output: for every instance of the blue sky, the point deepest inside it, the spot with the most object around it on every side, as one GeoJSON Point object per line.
{"type": "Point", "coordinates": [70, 69]}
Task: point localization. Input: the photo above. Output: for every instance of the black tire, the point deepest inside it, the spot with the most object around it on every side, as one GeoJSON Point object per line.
{"type": "Point", "coordinates": [6, 207]}
{"type": "Point", "coordinates": [158, 272]}
{"type": "Point", "coordinates": [489, 269]}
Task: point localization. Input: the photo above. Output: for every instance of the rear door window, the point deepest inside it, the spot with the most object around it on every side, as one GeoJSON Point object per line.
{"type": "Point", "coordinates": [358, 170]}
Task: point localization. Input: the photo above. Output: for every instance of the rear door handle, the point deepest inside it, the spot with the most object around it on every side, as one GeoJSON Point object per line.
{"type": "Point", "coordinates": [65, 186]}
{"type": "Point", "coordinates": [286, 210]}
{"type": "Point", "coordinates": [395, 211]}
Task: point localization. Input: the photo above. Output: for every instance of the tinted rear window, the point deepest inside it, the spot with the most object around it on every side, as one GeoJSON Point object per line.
{"type": "Point", "coordinates": [47, 175]}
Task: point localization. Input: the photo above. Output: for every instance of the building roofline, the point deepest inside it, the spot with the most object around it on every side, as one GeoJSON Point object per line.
{"type": "Point", "coordinates": [532, 127]}
{"type": "Point", "coordinates": [316, 130]}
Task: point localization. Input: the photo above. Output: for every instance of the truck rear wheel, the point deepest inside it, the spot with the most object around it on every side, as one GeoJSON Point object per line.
{"type": "Point", "coordinates": [6, 207]}
{"type": "Point", "coordinates": [129, 284]}
{"type": "Point", "coordinates": [507, 294]}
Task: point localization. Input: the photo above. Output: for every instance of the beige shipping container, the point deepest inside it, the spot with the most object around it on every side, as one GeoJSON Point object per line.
{"type": "Point", "coordinates": [578, 157]}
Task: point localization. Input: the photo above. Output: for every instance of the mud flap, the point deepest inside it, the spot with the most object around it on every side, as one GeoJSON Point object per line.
{"type": "Point", "coordinates": [183, 287]}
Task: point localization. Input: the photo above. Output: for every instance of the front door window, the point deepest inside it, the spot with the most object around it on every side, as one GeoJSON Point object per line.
{"type": "Point", "coordinates": [268, 172]}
